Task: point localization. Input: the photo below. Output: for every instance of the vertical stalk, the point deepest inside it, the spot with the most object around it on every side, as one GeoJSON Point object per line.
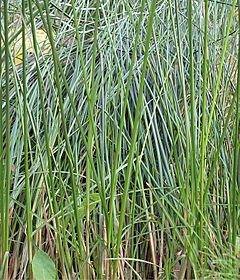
{"type": "Point", "coordinates": [90, 136]}
{"type": "Point", "coordinates": [193, 124]}
{"type": "Point", "coordinates": [73, 106]}
{"type": "Point", "coordinates": [1, 151]}
{"type": "Point", "coordinates": [65, 132]}
{"type": "Point", "coordinates": [8, 127]}
{"type": "Point", "coordinates": [101, 184]}
{"type": "Point", "coordinates": [203, 144]}
{"type": "Point", "coordinates": [25, 134]}
{"type": "Point", "coordinates": [119, 135]}
{"type": "Point", "coordinates": [230, 111]}
{"type": "Point", "coordinates": [137, 120]}
{"type": "Point", "coordinates": [185, 191]}
{"type": "Point", "coordinates": [215, 93]}
{"type": "Point", "coordinates": [46, 138]}
{"type": "Point", "coordinates": [235, 175]}
{"type": "Point", "coordinates": [56, 65]}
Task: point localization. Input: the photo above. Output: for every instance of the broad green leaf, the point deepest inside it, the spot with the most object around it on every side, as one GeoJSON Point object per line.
{"type": "Point", "coordinates": [43, 267]}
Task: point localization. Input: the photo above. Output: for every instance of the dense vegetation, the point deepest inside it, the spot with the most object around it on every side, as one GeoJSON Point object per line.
{"type": "Point", "coordinates": [119, 139]}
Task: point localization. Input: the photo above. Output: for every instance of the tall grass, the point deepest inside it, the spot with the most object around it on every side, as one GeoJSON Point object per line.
{"type": "Point", "coordinates": [1, 152]}
{"type": "Point", "coordinates": [6, 189]}
{"type": "Point", "coordinates": [26, 139]}
{"type": "Point", "coordinates": [119, 151]}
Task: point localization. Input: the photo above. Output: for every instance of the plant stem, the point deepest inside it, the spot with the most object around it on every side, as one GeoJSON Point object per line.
{"type": "Point", "coordinates": [235, 175]}
{"type": "Point", "coordinates": [8, 128]}
{"type": "Point", "coordinates": [204, 108]}
{"type": "Point", "coordinates": [26, 138]}
{"type": "Point", "coordinates": [137, 120]}
{"type": "Point", "coordinates": [2, 191]}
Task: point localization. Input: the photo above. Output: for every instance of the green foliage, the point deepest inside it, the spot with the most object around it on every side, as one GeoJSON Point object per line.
{"type": "Point", "coordinates": [119, 142]}
{"type": "Point", "coordinates": [43, 267]}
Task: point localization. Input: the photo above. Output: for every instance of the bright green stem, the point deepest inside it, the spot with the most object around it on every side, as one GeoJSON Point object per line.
{"type": "Point", "coordinates": [26, 137]}
{"type": "Point", "coordinates": [8, 127]}
{"type": "Point", "coordinates": [80, 126]}
{"type": "Point", "coordinates": [45, 128]}
{"type": "Point", "coordinates": [204, 107]}
{"type": "Point", "coordinates": [90, 135]}
{"type": "Point", "coordinates": [119, 137]}
{"type": "Point", "coordinates": [235, 175]}
{"type": "Point", "coordinates": [137, 120]}
{"type": "Point", "coordinates": [215, 94]}
{"type": "Point", "coordinates": [193, 121]}
{"type": "Point", "coordinates": [65, 132]}
{"type": "Point", "coordinates": [2, 205]}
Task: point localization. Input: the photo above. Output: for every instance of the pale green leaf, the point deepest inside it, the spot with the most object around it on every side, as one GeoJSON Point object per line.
{"type": "Point", "coordinates": [43, 267]}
